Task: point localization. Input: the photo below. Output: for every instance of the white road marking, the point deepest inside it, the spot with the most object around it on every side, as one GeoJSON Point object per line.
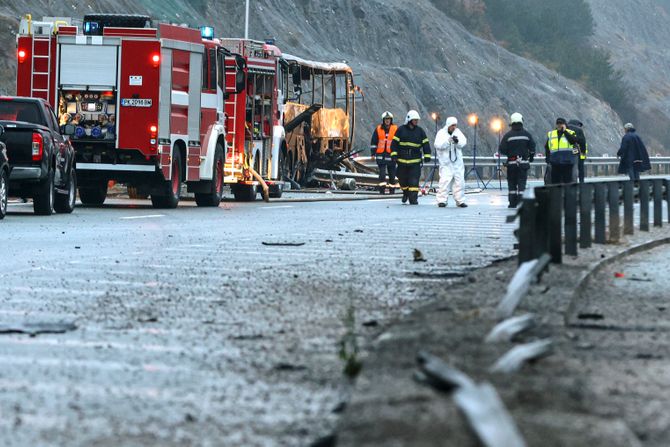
{"type": "Point", "coordinates": [277, 207]}
{"type": "Point", "coordinates": [150, 216]}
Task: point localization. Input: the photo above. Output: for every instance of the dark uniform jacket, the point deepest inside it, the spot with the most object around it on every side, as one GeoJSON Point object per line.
{"type": "Point", "coordinates": [410, 145]}
{"type": "Point", "coordinates": [581, 138]}
{"type": "Point", "coordinates": [633, 154]}
{"type": "Point", "coordinates": [518, 144]}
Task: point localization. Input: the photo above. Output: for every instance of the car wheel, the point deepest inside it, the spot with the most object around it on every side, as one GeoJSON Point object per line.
{"type": "Point", "coordinates": [4, 186]}
{"type": "Point", "coordinates": [43, 201]}
{"type": "Point", "coordinates": [65, 202]}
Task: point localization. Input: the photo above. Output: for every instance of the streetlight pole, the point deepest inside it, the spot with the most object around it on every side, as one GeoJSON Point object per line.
{"type": "Point", "coordinates": [246, 22]}
{"type": "Point", "coordinates": [496, 126]}
{"type": "Point", "coordinates": [473, 120]}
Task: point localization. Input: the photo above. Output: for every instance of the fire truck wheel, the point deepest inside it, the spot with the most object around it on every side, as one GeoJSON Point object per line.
{"type": "Point", "coordinates": [276, 191]}
{"type": "Point", "coordinates": [172, 187]}
{"type": "Point", "coordinates": [65, 202]}
{"type": "Point", "coordinates": [4, 187]}
{"type": "Point", "coordinates": [213, 198]}
{"type": "Point", "coordinates": [93, 194]}
{"type": "Point", "coordinates": [244, 193]}
{"type": "Point", "coordinates": [43, 201]}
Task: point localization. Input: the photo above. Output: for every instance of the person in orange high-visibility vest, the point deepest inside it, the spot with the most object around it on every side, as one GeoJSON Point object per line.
{"type": "Point", "coordinates": [380, 148]}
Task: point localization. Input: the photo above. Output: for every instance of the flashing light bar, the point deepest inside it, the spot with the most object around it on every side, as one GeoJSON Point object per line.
{"type": "Point", "coordinates": [207, 32]}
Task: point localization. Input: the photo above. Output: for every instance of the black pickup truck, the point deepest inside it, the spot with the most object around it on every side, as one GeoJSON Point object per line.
{"type": "Point", "coordinates": [41, 159]}
{"type": "Point", "coordinates": [4, 178]}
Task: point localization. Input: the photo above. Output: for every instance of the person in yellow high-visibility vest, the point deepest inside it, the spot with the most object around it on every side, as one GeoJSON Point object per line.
{"type": "Point", "coordinates": [561, 150]}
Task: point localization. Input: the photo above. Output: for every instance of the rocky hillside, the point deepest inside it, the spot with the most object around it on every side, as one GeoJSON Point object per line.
{"type": "Point", "coordinates": [405, 57]}
{"type": "Point", "coordinates": [637, 35]}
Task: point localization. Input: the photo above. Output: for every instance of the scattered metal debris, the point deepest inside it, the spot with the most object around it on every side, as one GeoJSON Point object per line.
{"type": "Point", "coordinates": [518, 287]}
{"type": "Point", "coordinates": [33, 329]}
{"type": "Point", "coordinates": [480, 403]}
{"type": "Point", "coordinates": [514, 359]}
{"type": "Point", "coordinates": [590, 316]}
{"type": "Point", "coordinates": [283, 244]}
{"type": "Point", "coordinates": [506, 330]}
{"type": "Point", "coordinates": [289, 367]}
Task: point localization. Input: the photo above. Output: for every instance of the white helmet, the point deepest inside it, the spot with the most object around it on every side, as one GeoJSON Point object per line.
{"type": "Point", "coordinates": [452, 121]}
{"type": "Point", "coordinates": [516, 118]}
{"type": "Point", "coordinates": [387, 114]}
{"type": "Point", "coordinates": [412, 115]}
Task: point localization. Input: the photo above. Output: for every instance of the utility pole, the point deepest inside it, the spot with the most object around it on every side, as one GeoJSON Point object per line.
{"type": "Point", "coordinates": [246, 22]}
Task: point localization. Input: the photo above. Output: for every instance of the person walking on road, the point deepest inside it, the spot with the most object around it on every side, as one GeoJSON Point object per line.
{"type": "Point", "coordinates": [561, 150]}
{"type": "Point", "coordinates": [578, 128]}
{"type": "Point", "coordinates": [449, 143]}
{"type": "Point", "coordinates": [518, 146]}
{"type": "Point", "coordinates": [380, 147]}
{"type": "Point", "coordinates": [410, 148]}
{"type": "Point", "coordinates": [633, 154]}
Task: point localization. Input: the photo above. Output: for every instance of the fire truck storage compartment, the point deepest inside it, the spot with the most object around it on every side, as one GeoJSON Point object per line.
{"type": "Point", "coordinates": [88, 65]}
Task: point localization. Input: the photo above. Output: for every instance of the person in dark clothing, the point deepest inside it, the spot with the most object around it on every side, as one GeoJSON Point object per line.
{"type": "Point", "coordinates": [410, 148]}
{"type": "Point", "coordinates": [577, 127]}
{"type": "Point", "coordinates": [519, 148]}
{"type": "Point", "coordinates": [633, 154]}
{"type": "Point", "coordinates": [380, 148]}
{"type": "Point", "coordinates": [561, 151]}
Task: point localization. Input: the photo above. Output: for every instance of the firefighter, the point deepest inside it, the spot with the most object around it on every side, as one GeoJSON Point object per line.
{"type": "Point", "coordinates": [380, 148]}
{"type": "Point", "coordinates": [449, 144]}
{"type": "Point", "coordinates": [519, 148]}
{"type": "Point", "coordinates": [410, 148]}
{"type": "Point", "coordinates": [561, 150]}
{"type": "Point", "coordinates": [577, 127]}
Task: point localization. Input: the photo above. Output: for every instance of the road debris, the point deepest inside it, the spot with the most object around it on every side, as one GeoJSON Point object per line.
{"type": "Point", "coordinates": [480, 403]}
{"type": "Point", "coordinates": [283, 244]}
{"type": "Point", "coordinates": [515, 358]}
{"type": "Point", "coordinates": [37, 328]}
{"type": "Point", "coordinates": [518, 287]}
{"type": "Point", "coordinates": [508, 329]}
{"type": "Point", "coordinates": [418, 256]}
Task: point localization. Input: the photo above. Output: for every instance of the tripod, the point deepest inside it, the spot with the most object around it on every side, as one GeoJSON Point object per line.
{"type": "Point", "coordinates": [473, 169]}
{"type": "Point", "coordinates": [430, 177]}
{"type": "Point", "coordinates": [497, 126]}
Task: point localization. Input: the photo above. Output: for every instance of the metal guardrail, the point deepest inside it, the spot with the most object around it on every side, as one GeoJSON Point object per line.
{"type": "Point", "coordinates": [595, 166]}
{"type": "Point", "coordinates": [550, 216]}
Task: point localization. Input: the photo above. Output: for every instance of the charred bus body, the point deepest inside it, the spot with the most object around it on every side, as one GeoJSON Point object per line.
{"type": "Point", "coordinates": [319, 115]}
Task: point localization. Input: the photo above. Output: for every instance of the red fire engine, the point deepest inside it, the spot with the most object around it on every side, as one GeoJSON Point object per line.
{"type": "Point", "coordinates": [143, 105]}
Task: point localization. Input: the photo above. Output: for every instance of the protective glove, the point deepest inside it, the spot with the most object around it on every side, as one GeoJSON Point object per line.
{"type": "Point", "coordinates": [454, 139]}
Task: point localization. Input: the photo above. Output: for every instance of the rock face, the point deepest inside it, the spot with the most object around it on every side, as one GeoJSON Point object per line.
{"type": "Point", "coordinates": [404, 58]}
{"type": "Point", "coordinates": [637, 33]}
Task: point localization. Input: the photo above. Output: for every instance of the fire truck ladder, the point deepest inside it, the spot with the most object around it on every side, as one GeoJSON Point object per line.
{"type": "Point", "coordinates": [41, 92]}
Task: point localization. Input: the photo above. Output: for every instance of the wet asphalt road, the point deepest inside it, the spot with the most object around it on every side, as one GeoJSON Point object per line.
{"type": "Point", "coordinates": [190, 331]}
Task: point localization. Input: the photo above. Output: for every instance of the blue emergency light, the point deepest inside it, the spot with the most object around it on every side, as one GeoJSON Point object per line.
{"type": "Point", "coordinates": [207, 32]}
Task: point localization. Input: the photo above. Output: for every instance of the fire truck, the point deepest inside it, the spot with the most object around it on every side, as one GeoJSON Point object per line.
{"type": "Point", "coordinates": [143, 105]}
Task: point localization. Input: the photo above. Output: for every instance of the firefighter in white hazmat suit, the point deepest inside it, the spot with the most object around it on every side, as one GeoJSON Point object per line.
{"type": "Point", "coordinates": [449, 144]}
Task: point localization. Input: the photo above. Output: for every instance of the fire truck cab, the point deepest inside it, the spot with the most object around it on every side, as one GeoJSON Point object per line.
{"type": "Point", "coordinates": [142, 105]}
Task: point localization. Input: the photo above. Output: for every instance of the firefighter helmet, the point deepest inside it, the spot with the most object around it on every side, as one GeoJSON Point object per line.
{"type": "Point", "coordinates": [516, 118]}
{"type": "Point", "coordinates": [387, 114]}
{"type": "Point", "coordinates": [412, 115]}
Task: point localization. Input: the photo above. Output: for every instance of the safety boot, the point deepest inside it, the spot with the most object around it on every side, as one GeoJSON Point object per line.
{"type": "Point", "coordinates": [413, 198]}
{"type": "Point", "coordinates": [405, 196]}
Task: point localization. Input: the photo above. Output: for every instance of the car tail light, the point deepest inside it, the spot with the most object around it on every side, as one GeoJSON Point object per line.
{"type": "Point", "coordinates": [38, 147]}
{"type": "Point", "coordinates": [21, 54]}
{"type": "Point", "coordinates": [155, 60]}
{"type": "Point", "coordinates": [153, 131]}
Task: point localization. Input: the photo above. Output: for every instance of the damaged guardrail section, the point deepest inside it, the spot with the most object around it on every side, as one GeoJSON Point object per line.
{"type": "Point", "coordinates": [560, 219]}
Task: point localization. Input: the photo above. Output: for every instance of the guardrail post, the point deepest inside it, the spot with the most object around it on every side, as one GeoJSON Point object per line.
{"type": "Point", "coordinates": [615, 221]}
{"type": "Point", "coordinates": [628, 208]}
{"type": "Point", "coordinates": [542, 220]}
{"type": "Point", "coordinates": [555, 223]}
{"type": "Point", "coordinates": [667, 196]}
{"type": "Point", "coordinates": [644, 205]}
{"type": "Point", "coordinates": [528, 248]}
{"type": "Point", "coordinates": [585, 220]}
{"type": "Point", "coordinates": [600, 198]}
{"type": "Point", "coordinates": [658, 202]}
{"type": "Point", "coordinates": [571, 220]}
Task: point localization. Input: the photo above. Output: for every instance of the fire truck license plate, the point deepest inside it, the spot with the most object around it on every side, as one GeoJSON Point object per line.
{"type": "Point", "coordinates": [133, 102]}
